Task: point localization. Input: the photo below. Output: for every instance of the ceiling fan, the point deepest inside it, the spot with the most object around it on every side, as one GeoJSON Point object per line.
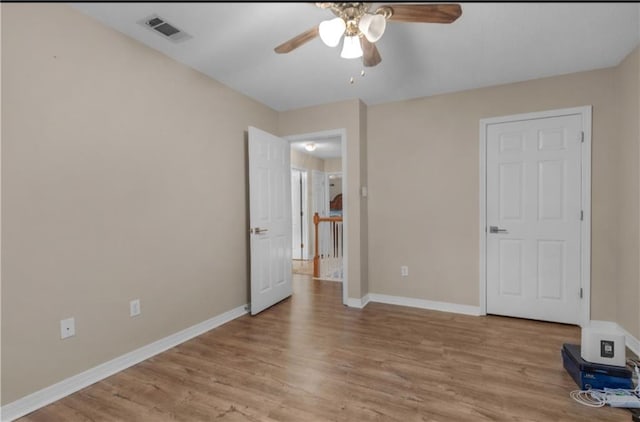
{"type": "Point", "coordinates": [362, 28]}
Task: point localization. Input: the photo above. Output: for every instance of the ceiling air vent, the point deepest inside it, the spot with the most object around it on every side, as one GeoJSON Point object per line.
{"type": "Point", "coordinates": [160, 26]}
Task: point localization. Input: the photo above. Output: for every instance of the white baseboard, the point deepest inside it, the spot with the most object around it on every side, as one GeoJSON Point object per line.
{"type": "Point", "coordinates": [426, 304]}
{"type": "Point", "coordinates": [358, 303]}
{"type": "Point", "coordinates": [333, 280]}
{"type": "Point", "coordinates": [611, 327]}
{"type": "Point", "coordinates": [84, 379]}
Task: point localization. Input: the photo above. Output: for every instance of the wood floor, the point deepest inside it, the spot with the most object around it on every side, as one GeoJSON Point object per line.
{"type": "Point", "coordinates": [302, 266]}
{"type": "Point", "coordinates": [310, 358]}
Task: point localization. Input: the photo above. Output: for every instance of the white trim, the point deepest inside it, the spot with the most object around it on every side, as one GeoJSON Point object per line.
{"type": "Point", "coordinates": [77, 382]}
{"type": "Point", "coordinates": [632, 343]}
{"type": "Point", "coordinates": [330, 280]}
{"type": "Point", "coordinates": [483, 218]}
{"type": "Point", "coordinates": [585, 230]}
{"type": "Point", "coordinates": [358, 303]}
{"type": "Point", "coordinates": [426, 304]}
{"type": "Point", "coordinates": [614, 328]}
{"type": "Point", "coordinates": [304, 176]}
{"type": "Point", "coordinates": [585, 234]}
{"type": "Point", "coordinates": [332, 133]}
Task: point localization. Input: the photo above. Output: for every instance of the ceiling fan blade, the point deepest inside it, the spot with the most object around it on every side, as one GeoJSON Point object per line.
{"type": "Point", "coordinates": [428, 13]}
{"type": "Point", "coordinates": [370, 54]}
{"type": "Point", "coordinates": [297, 41]}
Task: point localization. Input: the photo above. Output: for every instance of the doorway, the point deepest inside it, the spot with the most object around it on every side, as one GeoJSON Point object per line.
{"type": "Point", "coordinates": [321, 154]}
{"type": "Point", "coordinates": [535, 215]}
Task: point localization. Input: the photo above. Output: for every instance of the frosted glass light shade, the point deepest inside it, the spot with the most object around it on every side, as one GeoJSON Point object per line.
{"type": "Point", "coordinates": [351, 48]}
{"type": "Point", "coordinates": [331, 31]}
{"type": "Point", "coordinates": [310, 146]}
{"type": "Point", "coordinates": [372, 26]}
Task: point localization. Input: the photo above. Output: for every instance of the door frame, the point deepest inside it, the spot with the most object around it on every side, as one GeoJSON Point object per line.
{"type": "Point", "coordinates": [305, 210]}
{"type": "Point", "coordinates": [332, 133]}
{"type": "Point", "coordinates": [584, 316]}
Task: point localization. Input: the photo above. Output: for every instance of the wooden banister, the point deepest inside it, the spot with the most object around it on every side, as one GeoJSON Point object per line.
{"type": "Point", "coordinates": [316, 257]}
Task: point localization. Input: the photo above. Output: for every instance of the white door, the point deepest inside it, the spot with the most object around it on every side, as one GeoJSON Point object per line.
{"type": "Point", "coordinates": [320, 197]}
{"type": "Point", "coordinates": [269, 219]}
{"type": "Point", "coordinates": [533, 198]}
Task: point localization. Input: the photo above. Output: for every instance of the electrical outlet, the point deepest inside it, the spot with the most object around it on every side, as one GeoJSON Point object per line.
{"type": "Point", "coordinates": [134, 307]}
{"type": "Point", "coordinates": [404, 271]}
{"type": "Point", "coordinates": [67, 328]}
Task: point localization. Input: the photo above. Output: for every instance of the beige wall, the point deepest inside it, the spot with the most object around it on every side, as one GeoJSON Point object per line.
{"type": "Point", "coordinates": [0, 207]}
{"type": "Point", "coordinates": [333, 165]}
{"type": "Point", "coordinates": [364, 202]}
{"type": "Point", "coordinates": [109, 192]}
{"type": "Point", "coordinates": [123, 176]}
{"type": "Point", "coordinates": [305, 161]}
{"type": "Point", "coordinates": [627, 91]}
{"type": "Point", "coordinates": [343, 115]}
{"type": "Point", "coordinates": [424, 186]}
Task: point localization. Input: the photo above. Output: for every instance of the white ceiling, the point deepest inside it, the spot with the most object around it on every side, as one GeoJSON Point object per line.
{"type": "Point", "coordinates": [327, 147]}
{"type": "Point", "coordinates": [490, 44]}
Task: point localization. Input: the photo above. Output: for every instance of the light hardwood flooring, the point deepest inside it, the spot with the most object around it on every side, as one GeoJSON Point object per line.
{"type": "Point", "coordinates": [310, 358]}
{"type": "Point", "coordinates": [301, 266]}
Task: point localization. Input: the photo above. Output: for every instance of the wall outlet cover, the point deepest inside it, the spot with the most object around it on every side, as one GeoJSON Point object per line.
{"type": "Point", "coordinates": [134, 308]}
{"type": "Point", "coordinates": [67, 328]}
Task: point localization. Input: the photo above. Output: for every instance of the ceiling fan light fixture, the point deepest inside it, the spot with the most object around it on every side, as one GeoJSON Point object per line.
{"type": "Point", "coordinates": [351, 48]}
{"type": "Point", "coordinates": [310, 146]}
{"type": "Point", "coordinates": [331, 31]}
{"type": "Point", "coordinates": [372, 26]}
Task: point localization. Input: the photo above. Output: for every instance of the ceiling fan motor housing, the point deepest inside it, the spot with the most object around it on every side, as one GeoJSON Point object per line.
{"type": "Point", "coordinates": [362, 28]}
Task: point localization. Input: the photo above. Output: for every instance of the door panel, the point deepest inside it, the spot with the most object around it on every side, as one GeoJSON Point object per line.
{"type": "Point", "coordinates": [511, 179]}
{"type": "Point", "coordinates": [551, 201]}
{"type": "Point", "coordinates": [533, 201]}
{"type": "Point", "coordinates": [510, 267]}
{"type": "Point", "coordinates": [551, 260]}
{"type": "Point", "coordinates": [269, 219]}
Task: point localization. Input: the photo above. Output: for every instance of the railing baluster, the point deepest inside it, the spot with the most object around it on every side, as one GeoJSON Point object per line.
{"type": "Point", "coordinates": [335, 248]}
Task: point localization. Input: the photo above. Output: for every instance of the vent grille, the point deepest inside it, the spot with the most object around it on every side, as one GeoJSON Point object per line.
{"type": "Point", "coordinates": [167, 30]}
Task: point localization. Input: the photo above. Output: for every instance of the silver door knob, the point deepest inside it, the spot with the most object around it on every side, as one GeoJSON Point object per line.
{"type": "Point", "coordinates": [258, 230]}
{"type": "Point", "coordinates": [496, 229]}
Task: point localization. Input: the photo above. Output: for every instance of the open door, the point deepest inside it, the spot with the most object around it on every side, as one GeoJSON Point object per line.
{"type": "Point", "coordinates": [269, 219]}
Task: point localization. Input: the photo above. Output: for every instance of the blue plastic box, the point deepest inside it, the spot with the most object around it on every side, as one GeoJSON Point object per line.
{"type": "Point", "coordinates": [593, 375]}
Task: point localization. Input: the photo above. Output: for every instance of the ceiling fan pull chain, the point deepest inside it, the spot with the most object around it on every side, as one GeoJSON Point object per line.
{"type": "Point", "coordinates": [352, 79]}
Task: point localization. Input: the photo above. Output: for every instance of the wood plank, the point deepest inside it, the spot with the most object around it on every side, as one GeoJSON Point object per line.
{"type": "Point", "coordinates": [311, 358]}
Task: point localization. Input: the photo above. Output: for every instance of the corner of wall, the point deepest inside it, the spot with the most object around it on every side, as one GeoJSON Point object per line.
{"type": "Point", "coordinates": [364, 205]}
{"type": "Point", "coordinates": [627, 102]}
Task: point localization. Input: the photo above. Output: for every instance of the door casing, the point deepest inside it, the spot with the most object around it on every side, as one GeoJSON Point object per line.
{"type": "Point", "coordinates": [342, 133]}
{"type": "Point", "coordinates": [304, 238]}
{"type": "Point", "coordinates": [585, 229]}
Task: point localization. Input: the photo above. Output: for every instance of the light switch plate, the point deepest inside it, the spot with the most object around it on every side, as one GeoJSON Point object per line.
{"type": "Point", "coordinates": [134, 307]}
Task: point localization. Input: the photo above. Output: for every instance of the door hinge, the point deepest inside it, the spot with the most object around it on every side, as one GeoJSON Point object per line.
{"type": "Point", "coordinates": [580, 292]}
{"type": "Point", "coordinates": [582, 136]}
{"type": "Point", "coordinates": [581, 215]}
